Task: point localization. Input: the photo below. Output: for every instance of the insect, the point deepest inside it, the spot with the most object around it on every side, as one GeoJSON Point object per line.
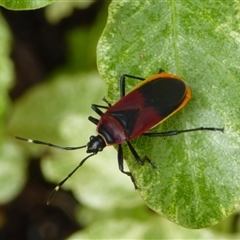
{"type": "Point", "coordinates": [148, 104]}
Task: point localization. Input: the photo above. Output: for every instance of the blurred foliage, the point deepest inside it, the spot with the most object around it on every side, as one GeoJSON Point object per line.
{"type": "Point", "coordinates": [25, 4]}
{"type": "Point", "coordinates": [56, 110]}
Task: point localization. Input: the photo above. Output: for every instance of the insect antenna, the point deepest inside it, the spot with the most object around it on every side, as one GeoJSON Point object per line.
{"type": "Point", "coordinates": [50, 198]}
{"type": "Point", "coordinates": [48, 144]}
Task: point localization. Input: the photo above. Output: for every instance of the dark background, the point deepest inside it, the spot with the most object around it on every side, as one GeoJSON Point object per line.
{"type": "Point", "coordinates": [38, 49]}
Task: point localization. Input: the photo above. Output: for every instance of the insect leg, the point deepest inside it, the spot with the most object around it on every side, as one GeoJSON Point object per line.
{"type": "Point", "coordinates": [176, 132]}
{"type": "Point", "coordinates": [96, 109]}
{"type": "Point", "coordinates": [93, 120]}
{"type": "Point", "coordinates": [135, 154]}
{"type": "Point", "coordinates": [107, 102]}
{"type": "Point", "coordinates": [120, 165]}
{"type": "Point", "coordinates": [137, 157]}
{"type": "Point", "coordinates": [123, 79]}
{"type": "Point", "coordinates": [122, 82]}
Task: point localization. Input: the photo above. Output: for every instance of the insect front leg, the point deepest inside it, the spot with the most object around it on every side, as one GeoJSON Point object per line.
{"type": "Point", "coordinates": [96, 108]}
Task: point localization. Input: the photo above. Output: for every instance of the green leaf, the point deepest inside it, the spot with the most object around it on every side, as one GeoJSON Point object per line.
{"type": "Point", "coordinates": [25, 4]}
{"type": "Point", "coordinates": [197, 181]}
